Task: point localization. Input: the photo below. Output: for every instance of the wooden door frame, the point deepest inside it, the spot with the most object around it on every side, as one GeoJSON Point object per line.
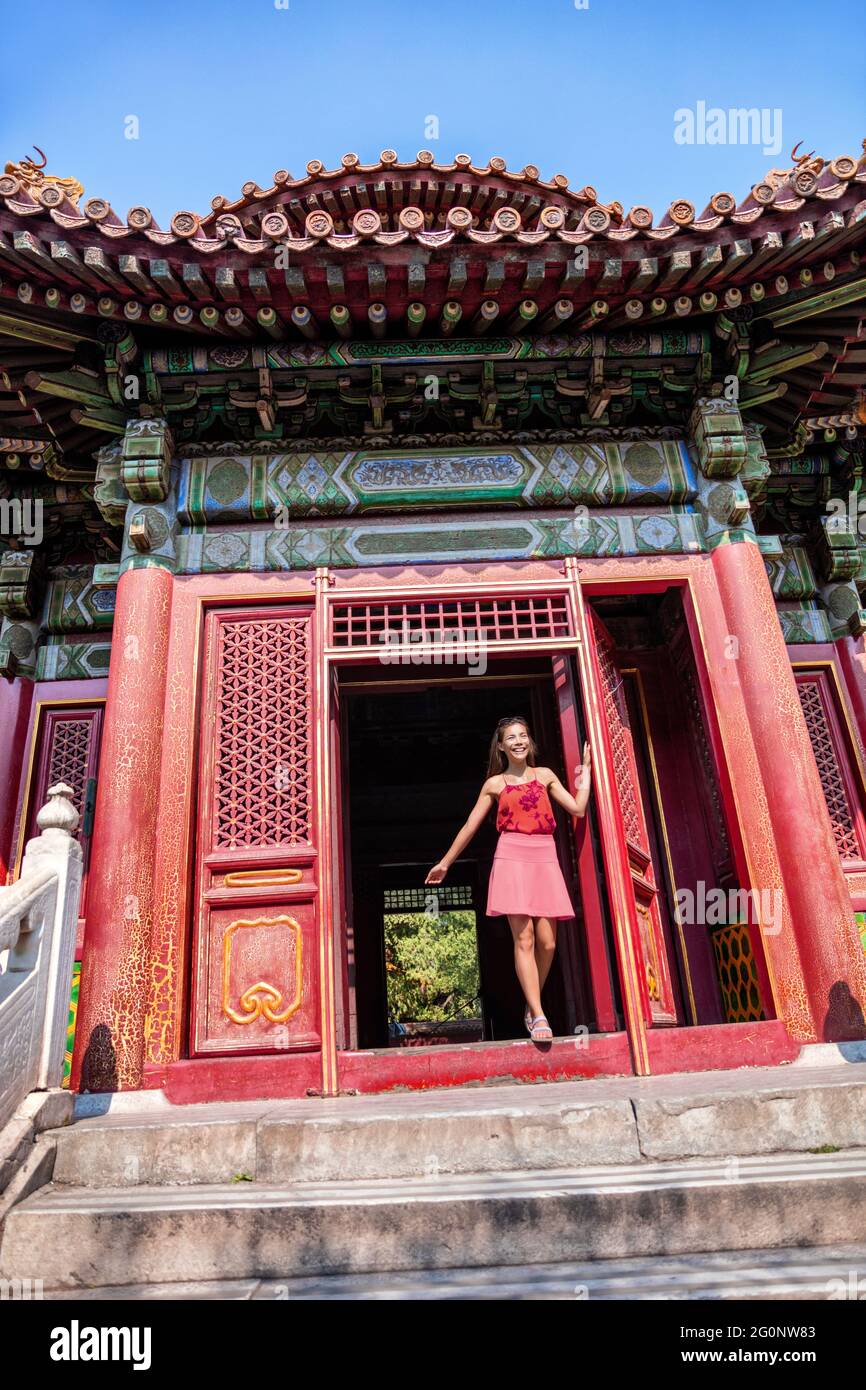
{"type": "Point", "coordinates": [69, 695]}
{"type": "Point", "coordinates": [581, 643]}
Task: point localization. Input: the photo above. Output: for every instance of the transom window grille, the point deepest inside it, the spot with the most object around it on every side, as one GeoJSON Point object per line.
{"type": "Point", "coordinates": [525, 618]}
{"type": "Point", "coordinates": [448, 897]}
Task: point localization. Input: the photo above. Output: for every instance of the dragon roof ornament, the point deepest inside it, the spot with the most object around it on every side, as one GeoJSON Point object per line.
{"type": "Point", "coordinates": [32, 175]}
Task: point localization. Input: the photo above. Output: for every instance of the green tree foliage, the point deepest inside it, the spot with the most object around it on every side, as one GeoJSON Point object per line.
{"type": "Point", "coordinates": [431, 966]}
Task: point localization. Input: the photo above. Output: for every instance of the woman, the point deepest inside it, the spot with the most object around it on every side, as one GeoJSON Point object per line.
{"type": "Point", "coordinates": [526, 883]}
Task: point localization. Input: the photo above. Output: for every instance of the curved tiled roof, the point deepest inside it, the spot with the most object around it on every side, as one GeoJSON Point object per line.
{"type": "Point", "coordinates": [392, 250]}
{"type": "Point", "coordinates": [391, 201]}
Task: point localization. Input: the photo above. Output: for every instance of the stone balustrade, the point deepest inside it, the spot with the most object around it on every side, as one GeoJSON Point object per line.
{"type": "Point", "coordinates": [38, 917]}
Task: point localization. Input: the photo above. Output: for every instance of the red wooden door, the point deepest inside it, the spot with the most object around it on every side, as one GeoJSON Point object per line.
{"type": "Point", "coordinates": [591, 909]}
{"type": "Point", "coordinates": [649, 938]}
{"type": "Point", "coordinates": [256, 969]}
{"type": "Point", "coordinates": [342, 910]}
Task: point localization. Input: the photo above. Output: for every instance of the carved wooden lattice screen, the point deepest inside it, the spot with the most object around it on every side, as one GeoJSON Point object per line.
{"type": "Point", "coordinates": [839, 779]}
{"type": "Point", "coordinates": [519, 618]}
{"type": "Point", "coordinates": [67, 750]}
{"type": "Point", "coordinates": [654, 961]}
{"type": "Point", "coordinates": [256, 948]}
{"type": "Point", "coordinates": [262, 765]}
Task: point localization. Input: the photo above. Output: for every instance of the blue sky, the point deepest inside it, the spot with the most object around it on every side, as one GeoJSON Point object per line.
{"type": "Point", "coordinates": [226, 92]}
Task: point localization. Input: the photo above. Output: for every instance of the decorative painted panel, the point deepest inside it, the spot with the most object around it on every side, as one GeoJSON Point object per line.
{"type": "Point", "coordinates": [326, 482]}
{"type": "Point", "coordinates": [791, 574]}
{"type": "Point", "coordinates": [76, 603]}
{"type": "Point", "coordinates": [64, 659]}
{"type": "Point", "coordinates": [70, 1023]}
{"type": "Point", "coordinates": [628, 342]}
{"type": "Point", "coordinates": [257, 996]}
{"type": "Point", "coordinates": [305, 545]}
{"type": "Point", "coordinates": [802, 622]}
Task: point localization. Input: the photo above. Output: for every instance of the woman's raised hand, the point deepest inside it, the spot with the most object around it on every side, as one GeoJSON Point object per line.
{"type": "Point", "coordinates": [437, 873]}
{"type": "Point", "coordinates": [583, 774]}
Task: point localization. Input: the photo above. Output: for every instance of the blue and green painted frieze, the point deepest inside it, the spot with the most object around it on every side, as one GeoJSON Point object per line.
{"type": "Point", "coordinates": [230, 488]}
{"type": "Point", "coordinates": [81, 599]}
{"type": "Point", "coordinates": [445, 538]}
{"type": "Point", "coordinates": [65, 659]}
{"type": "Point", "coordinates": [627, 343]}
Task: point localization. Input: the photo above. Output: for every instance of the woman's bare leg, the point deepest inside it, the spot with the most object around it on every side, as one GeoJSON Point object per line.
{"type": "Point", "coordinates": [523, 932]}
{"type": "Point", "coordinates": [545, 948]}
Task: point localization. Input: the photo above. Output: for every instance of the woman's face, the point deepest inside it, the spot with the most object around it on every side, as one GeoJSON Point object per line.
{"type": "Point", "coordinates": [514, 740]}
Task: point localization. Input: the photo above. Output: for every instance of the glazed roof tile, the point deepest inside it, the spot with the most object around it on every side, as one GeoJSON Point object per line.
{"type": "Point", "coordinates": [391, 248]}
{"type": "Point", "coordinates": [391, 201]}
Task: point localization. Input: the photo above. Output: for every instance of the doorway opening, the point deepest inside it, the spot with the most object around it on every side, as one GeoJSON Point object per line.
{"type": "Point", "coordinates": [426, 965]}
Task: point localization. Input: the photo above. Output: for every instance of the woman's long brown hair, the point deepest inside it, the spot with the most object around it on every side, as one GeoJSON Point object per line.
{"type": "Point", "coordinates": [498, 761]}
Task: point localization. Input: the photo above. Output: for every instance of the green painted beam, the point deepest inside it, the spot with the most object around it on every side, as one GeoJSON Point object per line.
{"type": "Point", "coordinates": [783, 359]}
{"type": "Point", "coordinates": [818, 303]}
{"type": "Point", "coordinates": [42, 333]}
{"type": "Point", "coordinates": [73, 385]}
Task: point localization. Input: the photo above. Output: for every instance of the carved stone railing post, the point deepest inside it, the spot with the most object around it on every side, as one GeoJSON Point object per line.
{"type": "Point", "coordinates": [55, 848]}
{"type": "Point", "coordinates": [38, 919]}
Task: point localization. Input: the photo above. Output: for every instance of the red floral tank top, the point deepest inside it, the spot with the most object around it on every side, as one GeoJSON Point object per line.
{"type": "Point", "coordinates": [525, 807]}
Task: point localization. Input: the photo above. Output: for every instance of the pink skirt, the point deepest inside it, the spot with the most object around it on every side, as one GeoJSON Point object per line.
{"type": "Point", "coordinates": [526, 878]}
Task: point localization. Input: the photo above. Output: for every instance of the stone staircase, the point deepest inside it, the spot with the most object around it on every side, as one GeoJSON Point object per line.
{"type": "Point", "coordinates": [709, 1185]}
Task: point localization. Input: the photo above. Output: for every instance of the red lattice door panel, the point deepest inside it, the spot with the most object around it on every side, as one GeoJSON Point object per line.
{"type": "Point", "coordinates": [67, 750]}
{"type": "Point", "coordinates": [256, 948]}
{"type": "Point", "coordinates": [836, 767]}
{"type": "Point", "coordinates": [650, 943]}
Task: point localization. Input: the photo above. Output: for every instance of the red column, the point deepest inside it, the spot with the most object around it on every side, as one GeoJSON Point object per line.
{"type": "Point", "coordinates": [16, 699]}
{"type": "Point", "coordinates": [817, 901]}
{"type": "Point", "coordinates": [109, 1039]}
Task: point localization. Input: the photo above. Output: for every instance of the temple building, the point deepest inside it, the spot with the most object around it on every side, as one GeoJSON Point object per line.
{"type": "Point", "coordinates": [301, 495]}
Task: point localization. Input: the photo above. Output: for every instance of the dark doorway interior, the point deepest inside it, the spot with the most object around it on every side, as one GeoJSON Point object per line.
{"type": "Point", "coordinates": [414, 759]}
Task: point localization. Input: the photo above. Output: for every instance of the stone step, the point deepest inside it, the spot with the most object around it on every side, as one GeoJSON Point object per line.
{"type": "Point", "coordinates": [551, 1126]}
{"type": "Point", "coordinates": [77, 1238]}
{"type": "Point", "coordinates": [837, 1273]}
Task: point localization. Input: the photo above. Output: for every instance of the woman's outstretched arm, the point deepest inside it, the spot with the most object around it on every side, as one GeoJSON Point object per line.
{"type": "Point", "coordinates": [474, 821]}
{"type": "Point", "coordinates": [582, 784]}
